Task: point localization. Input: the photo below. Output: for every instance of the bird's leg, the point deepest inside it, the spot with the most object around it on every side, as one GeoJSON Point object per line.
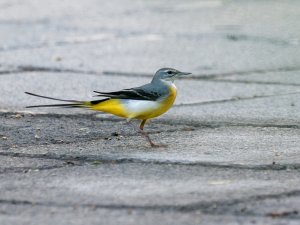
{"type": "Point", "coordinates": [147, 136]}
{"type": "Point", "coordinates": [142, 124]}
{"type": "Point", "coordinates": [142, 132]}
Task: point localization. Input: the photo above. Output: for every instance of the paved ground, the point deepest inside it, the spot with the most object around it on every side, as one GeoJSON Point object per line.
{"type": "Point", "coordinates": [233, 136]}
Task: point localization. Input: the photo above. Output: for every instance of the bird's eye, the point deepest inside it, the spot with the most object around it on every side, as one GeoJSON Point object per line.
{"type": "Point", "coordinates": [169, 72]}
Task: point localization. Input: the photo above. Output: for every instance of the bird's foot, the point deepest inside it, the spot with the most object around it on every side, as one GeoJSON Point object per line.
{"type": "Point", "coordinates": [158, 145]}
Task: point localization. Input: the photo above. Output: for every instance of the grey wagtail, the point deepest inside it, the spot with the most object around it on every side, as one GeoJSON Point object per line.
{"type": "Point", "coordinates": [143, 103]}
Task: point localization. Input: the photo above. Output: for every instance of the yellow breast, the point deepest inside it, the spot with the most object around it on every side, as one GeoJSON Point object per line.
{"type": "Point", "coordinates": [162, 106]}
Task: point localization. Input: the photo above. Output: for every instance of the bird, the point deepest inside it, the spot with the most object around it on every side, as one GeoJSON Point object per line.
{"type": "Point", "coordinates": [143, 103]}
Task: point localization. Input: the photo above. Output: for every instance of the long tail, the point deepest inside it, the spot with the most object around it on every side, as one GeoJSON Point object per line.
{"type": "Point", "coordinates": [70, 104]}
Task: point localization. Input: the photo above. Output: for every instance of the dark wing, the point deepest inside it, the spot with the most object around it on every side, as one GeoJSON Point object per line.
{"type": "Point", "coordinates": [132, 93]}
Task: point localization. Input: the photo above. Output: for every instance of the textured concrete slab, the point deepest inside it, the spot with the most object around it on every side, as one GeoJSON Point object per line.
{"type": "Point", "coordinates": [280, 78]}
{"type": "Point", "coordinates": [81, 87]}
{"type": "Point", "coordinates": [148, 186]}
{"type": "Point", "coordinates": [280, 110]}
{"type": "Point", "coordinates": [121, 37]}
{"type": "Point", "coordinates": [91, 215]}
{"type": "Point", "coordinates": [205, 55]}
{"type": "Point", "coordinates": [271, 207]}
{"type": "Point", "coordinates": [92, 139]}
{"type": "Point", "coordinates": [141, 15]}
{"type": "Point", "coordinates": [14, 164]}
{"type": "Point", "coordinates": [23, 130]}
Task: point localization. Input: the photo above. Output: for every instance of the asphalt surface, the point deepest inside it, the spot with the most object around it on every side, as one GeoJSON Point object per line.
{"type": "Point", "coordinates": [232, 137]}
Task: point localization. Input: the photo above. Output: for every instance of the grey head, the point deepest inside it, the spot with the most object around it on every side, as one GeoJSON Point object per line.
{"type": "Point", "coordinates": [167, 74]}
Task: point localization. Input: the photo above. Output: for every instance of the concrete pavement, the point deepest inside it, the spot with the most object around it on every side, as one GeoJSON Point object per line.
{"type": "Point", "coordinates": [233, 134]}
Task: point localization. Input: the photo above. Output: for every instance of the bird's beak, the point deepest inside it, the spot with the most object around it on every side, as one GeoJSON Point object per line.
{"type": "Point", "coordinates": [183, 74]}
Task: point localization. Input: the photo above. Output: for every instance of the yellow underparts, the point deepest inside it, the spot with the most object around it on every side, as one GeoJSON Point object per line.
{"type": "Point", "coordinates": [115, 106]}
{"type": "Point", "coordinates": [112, 106]}
{"type": "Point", "coordinates": [164, 106]}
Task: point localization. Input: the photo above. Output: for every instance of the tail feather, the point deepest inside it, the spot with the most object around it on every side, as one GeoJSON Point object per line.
{"type": "Point", "coordinates": [71, 104]}
{"type": "Point", "coordinates": [58, 99]}
{"type": "Point", "coordinates": [58, 105]}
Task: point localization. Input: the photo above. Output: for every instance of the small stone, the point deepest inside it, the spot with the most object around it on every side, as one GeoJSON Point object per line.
{"type": "Point", "coordinates": [58, 58]}
{"type": "Point", "coordinates": [84, 130]}
{"type": "Point", "coordinates": [282, 214]}
{"type": "Point", "coordinates": [116, 134]}
{"type": "Point", "coordinates": [188, 129]}
{"type": "Point", "coordinates": [37, 136]}
{"type": "Point", "coordinates": [96, 162]}
{"type": "Point", "coordinates": [70, 163]}
{"type": "Point", "coordinates": [243, 209]}
{"type": "Point", "coordinates": [18, 116]}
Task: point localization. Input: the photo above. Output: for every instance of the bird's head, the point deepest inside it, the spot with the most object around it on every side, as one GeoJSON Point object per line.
{"type": "Point", "coordinates": [168, 74]}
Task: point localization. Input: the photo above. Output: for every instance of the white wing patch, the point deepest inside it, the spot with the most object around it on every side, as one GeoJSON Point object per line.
{"type": "Point", "coordinates": [139, 107]}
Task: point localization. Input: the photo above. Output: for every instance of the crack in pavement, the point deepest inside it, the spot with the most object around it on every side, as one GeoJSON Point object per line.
{"type": "Point", "coordinates": [30, 68]}
{"type": "Point", "coordinates": [222, 207]}
{"type": "Point", "coordinates": [245, 37]}
{"type": "Point", "coordinates": [205, 76]}
{"type": "Point", "coordinates": [210, 76]}
{"type": "Point", "coordinates": [254, 82]}
{"type": "Point", "coordinates": [264, 125]}
{"type": "Point", "coordinates": [65, 42]}
{"type": "Point", "coordinates": [235, 37]}
{"type": "Point", "coordinates": [81, 159]}
{"type": "Point", "coordinates": [117, 34]}
{"type": "Point", "coordinates": [26, 169]}
{"type": "Point", "coordinates": [93, 116]}
{"type": "Point", "coordinates": [234, 99]}
{"type": "Point", "coordinates": [5, 72]}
